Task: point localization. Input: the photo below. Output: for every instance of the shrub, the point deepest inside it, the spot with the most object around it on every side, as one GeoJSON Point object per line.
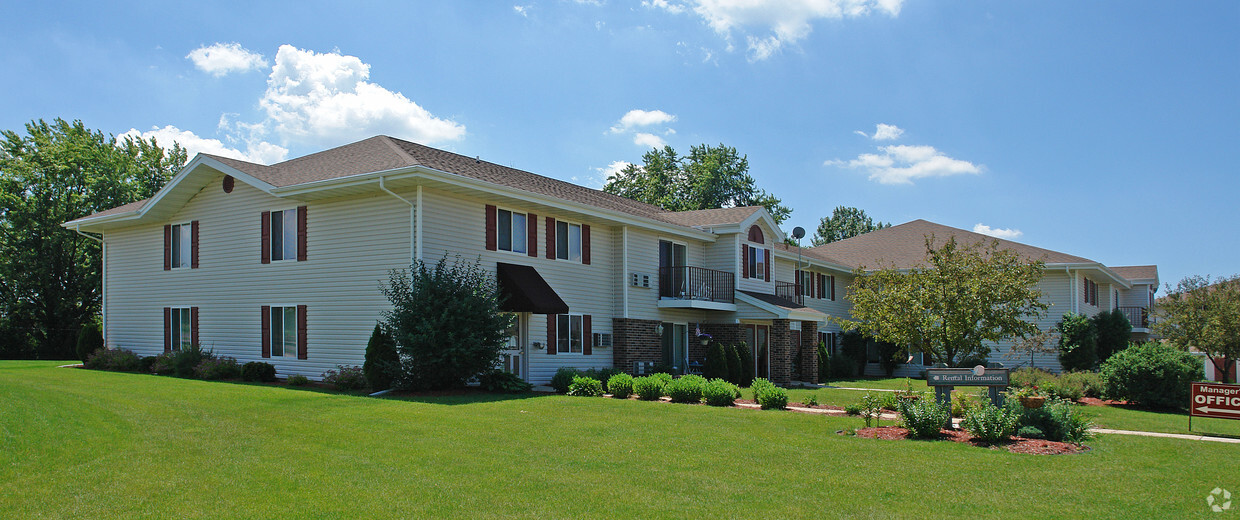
{"type": "Point", "coordinates": [1113, 333]}
{"type": "Point", "coordinates": [258, 371]}
{"type": "Point", "coordinates": [888, 401]}
{"type": "Point", "coordinates": [585, 387]}
{"type": "Point", "coordinates": [648, 388]}
{"type": "Point", "coordinates": [120, 360]}
{"type": "Point", "coordinates": [716, 366]}
{"type": "Point", "coordinates": [1028, 376]}
{"type": "Point", "coordinates": [1058, 420]}
{"type": "Point", "coordinates": [1030, 432]}
{"type": "Point", "coordinates": [824, 363]}
{"type": "Point", "coordinates": [852, 409]}
{"type": "Point", "coordinates": [962, 403]}
{"type": "Point", "coordinates": [736, 371]}
{"type": "Point", "coordinates": [923, 417]}
{"type": "Point", "coordinates": [1078, 342]}
{"type": "Point", "coordinates": [718, 392]}
{"type": "Point", "coordinates": [446, 322]}
{"type": "Point", "coordinates": [183, 362]}
{"type": "Point", "coordinates": [773, 398]}
{"type": "Point", "coordinates": [601, 374]}
{"type": "Point", "coordinates": [298, 380]}
{"type": "Point", "coordinates": [686, 389]}
{"type": "Point", "coordinates": [162, 364]}
{"type": "Point", "coordinates": [760, 384]}
{"type": "Point", "coordinates": [853, 344]}
{"type": "Point", "coordinates": [501, 381]}
{"type": "Point", "coordinates": [563, 378]}
{"type": "Point", "coordinates": [1064, 387]}
{"type": "Point", "coordinates": [620, 386]}
{"type": "Point", "coordinates": [89, 340]}
{"type": "Point", "coordinates": [663, 377]}
{"type": "Point", "coordinates": [990, 423]}
{"type": "Point", "coordinates": [1091, 383]}
{"type": "Point", "coordinates": [746, 359]}
{"type": "Point", "coordinates": [345, 378]}
{"type": "Point", "coordinates": [382, 362]}
{"type": "Point", "coordinates": [888, 357]}
{"type": "Point", "coordinates": [810, 401]}
{"type": "Point", "coordinates": [145, 364]}
{"type": "Point", "coordinates": [1152, 375]}
{"type": "Point", "coordinates": [217, 369]}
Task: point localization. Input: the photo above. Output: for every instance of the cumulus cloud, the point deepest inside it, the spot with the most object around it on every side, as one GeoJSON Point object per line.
{"type": "Point", "coordinates": [641, 118]}
{"type": "Point", "coordinates": [325, 99]}
{"type": "Point", "coordinates": [1008, 233]}
{"type": "Point", "coordinates": [222, 58]}
{"type": "Point", "coordinates": [901, 164]}
{"type": "Point", "coordinates": [883, 132]}
{"type": "Point", "coordinates": [521, 10]}
{"type": "Point", "coordinates": [648, 140]}
{"type": "Point", "coordinates": [256, 151]}
{"type": "Point", "coordinates": [613, 168]}
{"type": "Point", "coordinates": [769, 26]}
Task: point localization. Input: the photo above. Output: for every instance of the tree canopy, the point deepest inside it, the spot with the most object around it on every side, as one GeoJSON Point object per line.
{"type": "Point", "coordinates": [709, 177]}
{"type": "Point", "coordinates": [50, 276]}
{"type": "Point", "coordinates": [964, 297]}
{"type": "Point", "coordinates": [1203, 315]}
{"type": "Point", "coordinates": [845, 222]}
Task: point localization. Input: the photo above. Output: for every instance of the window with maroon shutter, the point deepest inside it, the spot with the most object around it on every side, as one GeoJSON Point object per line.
{"type": "Point", "coordinates": [284, 235]}
{"type": "Point", "coordinates": [266, 334]}
{"type": "Point", "coordinates": [508, 231]}
{"type": "Point", "coordinates": [491, 227]}
{"type": "Point", "coordinates": [551, 335]}
{"type": "Point", "coordinates": [301, 233]}
{"type": "Point", "coordinates": [167, 247]}
{"type": "Point", "coordinates": [568, 333]}
{"type": "Point", "coordinates": [265, 244]}
{"type": "Point", "coordinates": [167, 329]}
{"type": "Point", "coordinates": [181, 245]}
{"type": "Point", "coordinates": [193, 325]}
{"type": "Point", "coordinates": [532, 235]}
{"type": "Point", "coordinates": [286, 330]}
{"type": "Point", "coordinates": [550, 238]}
{"type": "Point", "coordinates": [744, 261]}
{"type": "Point", "coordinates": [180, 328]}
{"type": "Point", "coordinates": [193, 247]}
{"type": "Point", "coordinates": [585, 245]}
{"type": "Point", "coordinates": [766, 253]}
{"type": "Point", "coordinates": [301, 332]}
{"type": "Point", "coordinates": [587, 338]}
{"type": "Point", "coordinates": [567, 240]}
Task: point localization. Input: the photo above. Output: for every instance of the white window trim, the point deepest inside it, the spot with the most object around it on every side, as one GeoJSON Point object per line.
{"type": "Point", "coordinates": [271, 339]}
{"type": "Point", "coordinates": [173, 324]}
{"type": "Point", "coordinates": [187, 226]}
{"type": "Point", "coordinates": [272, 237]}
{"type": "Point", "coordinates": [569, 333]}
{"type": "Point", "coordinates": [754, 273]}
{"type": "Point", "coordinates": [526, 244]}
{"type": "Point", "coordinates": [580, 240]}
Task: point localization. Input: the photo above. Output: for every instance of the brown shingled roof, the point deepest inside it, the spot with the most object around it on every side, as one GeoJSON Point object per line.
{"type": "Point", "coordinates": [903, 246]}
{"type": "Point", "coordinates": [712, 217]}
{"type": "Point", "coordinates": [1137, 272]}
{"type": "Point", "coordinates": [132, 206]}
{"type": "Point", "coordinates": [775, 300]}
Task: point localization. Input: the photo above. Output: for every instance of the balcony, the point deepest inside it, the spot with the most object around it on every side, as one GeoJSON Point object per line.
{"type": "Point", "coordinates": [790, 291]}
{"type": "Point", "coordinates": [688, 287]}
{"type": "Point", "coordinates": [1139, 317]}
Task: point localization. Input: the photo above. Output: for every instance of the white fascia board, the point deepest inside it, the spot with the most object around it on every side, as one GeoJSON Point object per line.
{"type": "Point", "coordinates": [1106, 271]}
{"type": "Point", "coordinates": [813, 262]}
{"type": "Point", "coordinates": [806, 314]}
{"type": "Point", "coordinates": [763, 214]}
{"type": "Point", "coordinates": [422, 172]}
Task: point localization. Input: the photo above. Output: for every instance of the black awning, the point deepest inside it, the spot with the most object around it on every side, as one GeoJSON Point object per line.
{"type": "Point", "coordinates": [524, 290]}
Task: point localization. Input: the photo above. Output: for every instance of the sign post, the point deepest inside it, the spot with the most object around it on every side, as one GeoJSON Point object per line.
{"type": "Point", "coordinates": [1215, 400]}
{"type": "Point", "coordinates": [945, 379]}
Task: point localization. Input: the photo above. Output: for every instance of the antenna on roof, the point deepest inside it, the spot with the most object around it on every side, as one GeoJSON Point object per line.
{"type": "Point", "coordinates": [477, 159]}
{"type": "Point", "coordinates": [798, 233]}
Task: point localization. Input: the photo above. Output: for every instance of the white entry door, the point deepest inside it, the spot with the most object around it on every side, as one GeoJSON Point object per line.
{"type": "Point", "coordinates": [514, 357]}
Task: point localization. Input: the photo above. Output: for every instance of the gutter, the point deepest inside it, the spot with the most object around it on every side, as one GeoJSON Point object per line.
{"type": "Point", "coordinates": [414, 236]}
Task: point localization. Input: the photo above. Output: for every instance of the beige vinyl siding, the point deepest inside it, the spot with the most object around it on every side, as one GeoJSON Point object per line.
{"type": "Point", "coordinates": [838, 308]}
{"type": "Point", "coordinates": [724, 254]}
{"type": "Point", "coordinates": [1138, 296]}
{"type": "Point", "coordinates": [352, 244]}
{"type": "Point", "coordinates": [757, 284]}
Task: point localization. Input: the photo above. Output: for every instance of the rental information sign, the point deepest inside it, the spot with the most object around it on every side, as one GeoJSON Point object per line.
{"type": "Point", "coordinates": [1215, 400]}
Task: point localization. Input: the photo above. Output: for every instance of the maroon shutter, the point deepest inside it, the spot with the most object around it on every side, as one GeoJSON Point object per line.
{"type": "Point", "coordinates": [266, 240]}
{"type": "Point", "coordinates": [167, 329]}
{"type": "Point", "coordinates": [832, 282]}
{"type": "Point", "coordinates": [551, 344]}
{"type": "Point", "coordinates": [744, 261]}
{"type": "Point", "coordinates": [531, 224]}
{"type": "Point", "coordinates": [301, 332]}
{"type": "Point", "coordinates": [266, 331]}
{"type": "Point", "coordinates": [193, 246]}
{"type": "Point", "coordinates": [585, 244]}
{"type": "Point", "coordinates": [587, 339]}
{"type": "Point", "coordinates": [766, 253]}
{"type": "Point", "coordinates": [492, 222]}
{"type": "Point", "coordinates": [193, 325]}
{"type": "Point", "coordinates": [301, 233]}
{"type": "Point", "coordinates": [550, 238]}
{"type": "Point", "coordinates": [167, 247]}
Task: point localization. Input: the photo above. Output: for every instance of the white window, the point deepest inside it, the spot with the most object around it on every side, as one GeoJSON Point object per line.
{"type": "Point", "coordinates": [568, 333]}
{"type": "Point", "coordinates": [568, 241]}
{"type": "Point", "coordinates": [757, 262]}
{"type": "Point", "coordinates": [807, 283]}
{"type": "Point", "coordinates": [180, 328]}
{"type": "Point", "coordinates": [284, 331]}
{"type": "Point", "coordinates": [284, 235]}
{"type": "Point", "coordinates": [512, 231]}
{"type": "Point", "coordinates": [182, 235]}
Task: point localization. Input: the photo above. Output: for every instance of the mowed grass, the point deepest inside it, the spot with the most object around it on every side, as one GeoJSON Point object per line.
{"type": "Point", "coordinates": [87, 444]}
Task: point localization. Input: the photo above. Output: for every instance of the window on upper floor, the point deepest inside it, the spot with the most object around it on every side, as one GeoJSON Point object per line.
{"type": "Point", "coordinates": [826, 287]}
{"type": "Point", "coordinates": [284, 235]}
{"type": "Point", "coordinates": [756, 263]}
{"type": "Point", "coordinates": [511, 231]}
{"type": "Point", "coordinates": [181, 246]}
{"type": "Point", "coordinates": [807, 283]}
{"type": "Point", "coordinates": [567, 241]}
{"type": "Point", "coordinates": [1090, 292]}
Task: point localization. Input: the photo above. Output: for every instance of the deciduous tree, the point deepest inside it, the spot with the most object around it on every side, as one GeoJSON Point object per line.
{"type": "Point", "coordinates": [845, 222]}
{"type": "Point", "coordinates": [1203, 315]}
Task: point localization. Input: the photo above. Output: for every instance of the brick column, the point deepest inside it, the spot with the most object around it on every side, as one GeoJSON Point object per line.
{"type": "Point", "coordinates": [809, 352]}
{"type": "Point", "coordinates": [634, 340]}
{"type": "Point", "coordinates": [781, 352]}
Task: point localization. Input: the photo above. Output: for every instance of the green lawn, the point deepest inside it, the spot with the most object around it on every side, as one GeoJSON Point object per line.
{"type": "Point", "coordinates": [86, 444]}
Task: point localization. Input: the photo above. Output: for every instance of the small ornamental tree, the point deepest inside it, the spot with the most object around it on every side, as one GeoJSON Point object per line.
{"type": "Point", "coordinates": [736, 371]}
{"type": "Point", "coordinates": [716, 366]}
{"type": "Point", "coordinates": [1113, 333]}
{"type": "Point", "coordinates": [1078, 342]}
{"type": "Point", "coordinates": [89, 340]}
{"type": "Point", "coordinates": [853, 345]}
{"type": "Point", "coordinates": [446, 322]}
{"type": "Point", "coordinates": [382, 362]}
{"type": "Point", "coordinates": [747, 368]}
{"type": "Point", "coordinates": [1205, 316]}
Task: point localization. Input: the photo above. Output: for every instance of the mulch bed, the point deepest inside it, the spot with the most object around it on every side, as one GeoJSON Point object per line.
{"type": "Point", "coordinates": [1015, 445]}
{"type": "Point", "coordinates": [1094, 401]}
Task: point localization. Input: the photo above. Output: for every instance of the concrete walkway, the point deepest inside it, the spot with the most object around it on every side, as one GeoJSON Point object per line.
{"type": "Point", "coordinates": [1227, 440]}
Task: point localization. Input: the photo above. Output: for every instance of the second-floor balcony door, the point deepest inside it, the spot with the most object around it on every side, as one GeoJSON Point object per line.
{"type": "Point", "coordinates": [672, 254]}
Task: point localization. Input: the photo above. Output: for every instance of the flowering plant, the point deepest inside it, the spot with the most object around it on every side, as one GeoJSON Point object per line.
{"type": "Point", "coordinates": [1027, 391]}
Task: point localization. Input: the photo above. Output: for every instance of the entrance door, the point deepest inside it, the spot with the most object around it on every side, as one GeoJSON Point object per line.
{"type": "Point", "coordinates": [676, 346]}
{"type": "Point", "coordinates": [797, 353]}
{"type": "Point", "coordinates": [672, 281]}
{"type": "Point", "coordinates": [513, 358]}
{"type": "Point", "coordinates": [758, 337]}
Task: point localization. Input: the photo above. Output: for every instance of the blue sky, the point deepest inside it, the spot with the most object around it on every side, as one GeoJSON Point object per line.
{"type": "Point", "coordinates": [1102, 129]}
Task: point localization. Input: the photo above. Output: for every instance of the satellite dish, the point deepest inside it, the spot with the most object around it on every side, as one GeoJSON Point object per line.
{"type": "Point", "coordinates": [798, 232]}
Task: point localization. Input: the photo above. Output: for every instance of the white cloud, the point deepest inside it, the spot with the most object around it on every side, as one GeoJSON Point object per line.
{"type": "Point", "coordinates": [256, 151]}
{"type": "Point", "coordinates": [521, 10]}
{"type": "Point", "coordinates": [769, 26]}
{"type": "Point", "coordinates": [887, 132]}
{"type": "Point", "coordinates": [997, 232]}
{"type": "Point", "coordinates": [900, 164]}
{"type": "Point", "coordinates": [325, 100]}
{"type": "Point", "coordinates": [613, 168]}
{"type": "Point", "coordinates": [222, 58]}
{"type": "Point", "coordinates": [636, 118]}
{"type": "Point", "coordinates": [648, 140]}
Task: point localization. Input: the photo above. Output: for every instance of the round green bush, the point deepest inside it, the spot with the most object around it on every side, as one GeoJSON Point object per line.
{"type": "Point", "coordinates": [89, 340]}
{"type": "Point", "coordinates": [735, 371]}
{"type": "Point", "coordinates": [686, 389]}
{"type": "Point", "coordinates": [1030, 432]}
{"type": "Point", "coordinates": [718, 392]}
{"type": "Point", "coordinates": [585, 387]}
{"type": "Point", "coordinates": [563, 378]}
{"type": "Point", "coordinates": [772, 398]}
{"type": "Point", "coordinates": [663, 377]}
{"type": "Point", "coordinates": [990, 423]}
{"type": "Point", "coordinates": [923, 417]}
{"type": "Point", "coordinates": [648, 388]}
{"type": "Point", "coordinates": [620, 386]}
{"type": "Point", "coordinates": [255, 371]}
{"type": "Point", "coordinates": [1151, 375]}
{"type": "Point", "coordinates": [298, 380]}
{"type": "Point", "coordinates": [716, 366]}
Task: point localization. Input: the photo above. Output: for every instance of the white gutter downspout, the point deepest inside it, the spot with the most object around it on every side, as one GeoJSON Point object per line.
{"type": "Point", "coordinates": [1071, 289]}
{"type": "Point", "coordinates": [415, 238]}
{"type": "Point", "coordinates": [624, 268]}
{"type": "Point", "coordinates": [103, 281]}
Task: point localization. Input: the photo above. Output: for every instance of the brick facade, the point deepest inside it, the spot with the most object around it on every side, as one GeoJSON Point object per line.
{"type": "Point", "coordinates": [634, 340]}
{"type": "Point", "coordinates": [781, 352]}
{"type": "Point", "coordinates": [809, 352]}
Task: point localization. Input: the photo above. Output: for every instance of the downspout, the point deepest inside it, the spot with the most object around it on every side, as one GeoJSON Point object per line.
{"type": "Point", "coordinates": [413, 238]}
{"type": "Point", "coordinates": [624, 268]}
{"type": "Point", "coordinates": [1071, 288]}
{"type": "Point", "coordinates": [103, 281]}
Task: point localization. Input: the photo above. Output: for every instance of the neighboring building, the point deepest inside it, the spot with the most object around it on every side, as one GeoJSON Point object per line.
{"type": "Point", "coordinates": [283, 264]}
{"type": "Point", "coordinates": [1137, 303]}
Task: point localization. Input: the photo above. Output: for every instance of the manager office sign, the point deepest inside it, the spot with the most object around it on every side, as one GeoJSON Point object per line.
{"type": "Point", "coordinates": [1215, 400]}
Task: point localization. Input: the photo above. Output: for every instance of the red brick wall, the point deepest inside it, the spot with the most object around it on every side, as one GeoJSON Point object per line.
{"type": "Point", "coordinates": [781, 352]}
{"type": "Point", "coordinates": [809, 352]}
{"type": "Point", "coordinates": [634, 340]}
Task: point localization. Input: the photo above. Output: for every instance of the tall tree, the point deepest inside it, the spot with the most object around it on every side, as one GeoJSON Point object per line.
{"type": "Point", "coordinates": [845, 222]}
{"type": "Point", "coordinates": [709, 177]}
{"type": "Point", "coordinates": [50, 276]}
{"type": "Point", "coordinates": [964, 297]}
{"type": "Point", "coordinates": [1203, 315]}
